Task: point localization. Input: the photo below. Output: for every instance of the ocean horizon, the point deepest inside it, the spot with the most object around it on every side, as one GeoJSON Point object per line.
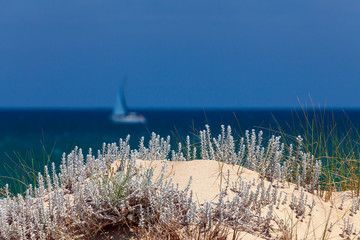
{"type": "Point", "coordinates": [42, 135]}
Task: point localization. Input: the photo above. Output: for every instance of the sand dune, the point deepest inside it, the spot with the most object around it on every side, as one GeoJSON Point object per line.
{"type": "Point", "coordinates": [208, 177]}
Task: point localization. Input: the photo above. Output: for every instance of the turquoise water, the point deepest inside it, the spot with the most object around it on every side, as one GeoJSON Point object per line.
{"type": "Point", "coordinates": [26, 134]}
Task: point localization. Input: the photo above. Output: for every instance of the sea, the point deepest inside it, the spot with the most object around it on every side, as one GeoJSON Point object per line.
{"type": "Point", "coordinates": [34, 137]}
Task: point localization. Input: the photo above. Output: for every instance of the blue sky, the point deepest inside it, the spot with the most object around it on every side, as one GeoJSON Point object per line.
{"type": "Point", "coordinates": [180, 54]}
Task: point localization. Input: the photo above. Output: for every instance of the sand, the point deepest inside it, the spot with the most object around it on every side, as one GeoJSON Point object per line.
{"type": "Point", "coordinates": [209, 176]}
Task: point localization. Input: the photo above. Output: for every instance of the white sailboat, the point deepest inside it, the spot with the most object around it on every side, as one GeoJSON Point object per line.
{"type": "Point", "coordinates": [120, 112]}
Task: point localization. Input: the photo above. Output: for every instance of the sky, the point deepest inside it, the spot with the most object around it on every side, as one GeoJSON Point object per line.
{"type": "Point", "coordinates": [179, 54]}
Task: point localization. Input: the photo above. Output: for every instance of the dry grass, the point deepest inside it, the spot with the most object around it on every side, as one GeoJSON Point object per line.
{"type": "Point", "coordinates": [116, 196]}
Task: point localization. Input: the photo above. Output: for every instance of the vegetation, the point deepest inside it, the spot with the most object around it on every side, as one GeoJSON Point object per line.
{"type": "Point", "coordinates": [93, 195]}
{"type": "Point", "coordinates": [333, 142]}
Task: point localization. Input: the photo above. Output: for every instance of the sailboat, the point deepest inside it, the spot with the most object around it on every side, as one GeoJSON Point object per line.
{"type": "Point", "coordinates": [121, 114]}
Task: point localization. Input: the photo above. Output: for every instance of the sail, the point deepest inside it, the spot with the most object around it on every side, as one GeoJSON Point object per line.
{"type": "Point", "coordinates": [120, 107]}
{"type": "Point", "coordinates": [120, 112]}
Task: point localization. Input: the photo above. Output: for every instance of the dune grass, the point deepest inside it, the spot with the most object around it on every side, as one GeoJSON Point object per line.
{"type": "Point", "coordinates": [22, 170]}
{"type": "Point", "coordinates": [324, 160]}
{"type": "Point", "coordinates": [333, 141]}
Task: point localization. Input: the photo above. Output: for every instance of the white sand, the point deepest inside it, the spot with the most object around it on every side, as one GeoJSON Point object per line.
{"type": "Point", "coordinates": [209, 177]}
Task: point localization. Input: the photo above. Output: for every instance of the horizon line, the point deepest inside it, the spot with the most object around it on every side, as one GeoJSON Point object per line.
{"type": "Point", "coordinates": [183, 108]}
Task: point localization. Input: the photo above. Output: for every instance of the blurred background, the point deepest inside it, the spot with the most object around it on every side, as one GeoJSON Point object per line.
{"type": "Point", "coordinates": [179, 54]}
{"type": "Point", "coordinates": [250, 64]}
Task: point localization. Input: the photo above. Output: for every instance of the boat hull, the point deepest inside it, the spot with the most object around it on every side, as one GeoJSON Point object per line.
{"type": "Point", "coordinates": [131, 118]}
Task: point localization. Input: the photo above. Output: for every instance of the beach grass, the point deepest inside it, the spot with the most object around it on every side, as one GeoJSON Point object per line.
{"type": "Point", "coordinates": [22, 170]}
{"type": "Point", "coordinates": [95, 195]}
{"type": "Point", "coordinates": [333, 141]}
